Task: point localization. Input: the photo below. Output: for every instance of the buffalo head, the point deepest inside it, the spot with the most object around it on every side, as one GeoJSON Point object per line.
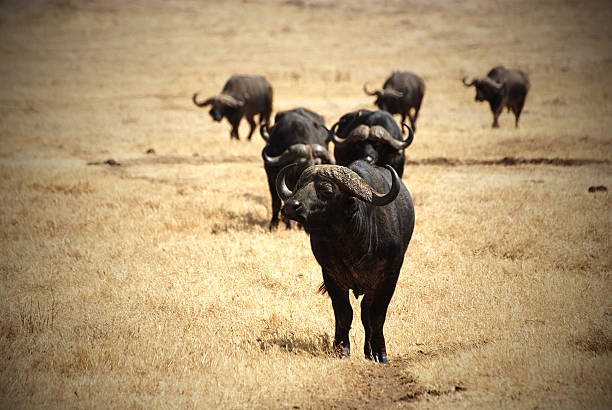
{"type": "Point", "coordinates": [222, 104]}
{"type": "Point", "coordinates": [323, 192]}
{"type": "Point", "coordinates": [486, 88]}
{"type": "Point", "coordinates": [385, 98]}
{"type": "Point", "coordinates": [309, 154]}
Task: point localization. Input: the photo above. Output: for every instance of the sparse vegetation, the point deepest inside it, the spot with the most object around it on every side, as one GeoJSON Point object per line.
{"type": "Point", "coordinates": [155, 283]}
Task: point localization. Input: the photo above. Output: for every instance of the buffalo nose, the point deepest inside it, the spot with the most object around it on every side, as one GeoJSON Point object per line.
{"type": "Point", "coordinates": [292, 206]}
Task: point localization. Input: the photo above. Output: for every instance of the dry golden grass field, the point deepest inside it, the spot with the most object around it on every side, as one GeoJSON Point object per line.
{"type": "Point", "coordinates": [156, 284]}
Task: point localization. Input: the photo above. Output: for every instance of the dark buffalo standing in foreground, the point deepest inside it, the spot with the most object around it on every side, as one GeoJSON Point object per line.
{"type": "Point", "coordinates": [359, 237]}
{"type": "Point", "coordinates": [373, 136]}
{"type": "Point", "coordinates": [299, 137]}
{"type": "Point", "coordinates": [242, 96]}
{"type": "Point", "coordinates": [401, 94]}
{"type": "Point", "coordinates": [502, 88]}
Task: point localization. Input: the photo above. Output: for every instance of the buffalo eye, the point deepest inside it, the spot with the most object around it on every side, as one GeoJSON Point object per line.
{"type": "Point", "coordinates": [325, 190]}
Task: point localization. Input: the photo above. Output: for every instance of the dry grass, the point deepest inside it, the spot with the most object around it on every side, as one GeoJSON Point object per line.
{"type": "Point", "coordinates": [156, 284]}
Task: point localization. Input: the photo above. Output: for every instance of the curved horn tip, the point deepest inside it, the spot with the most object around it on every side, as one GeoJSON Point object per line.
{"type": "Point", "coordinates": [263, 131]}
{"type": "Point", "coordinates": [331, 134]}
{"type": "Point", "coordinates": [410, 134]}
{"type": "Point", "coordinates": [393, 192]}
{"type": "Point", "coordinates": [281, 187]}
{"type": "Point", "coordinates": [365, 89]}
{"type": "Point", "coordinates": [464, 79]}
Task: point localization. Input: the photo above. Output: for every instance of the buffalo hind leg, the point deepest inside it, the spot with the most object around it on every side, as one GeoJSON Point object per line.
{"type": "Point", "coordinates": [343, 314]}
{"type": "Point", "coordinates": [517, 113]}
{"type": "Point", "coordinates": [404, 120]}
{"type": "Point", "coordinates": [252, 125]}
{"type": "Point", "coordinates": [413, 119]}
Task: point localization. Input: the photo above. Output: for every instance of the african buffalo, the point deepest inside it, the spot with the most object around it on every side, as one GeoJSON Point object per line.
{"type": "Point", "coordinates": [299, 137]}
{"type": "Point", "coordinates": [502, 88]}
{"type": "Point", "coordinates": [373, 136]}
{"type": "Point", "coordinates": [360, 219]}
{"type": "Point", "coordinates": [242, 96]}
{"type": "Point", "coordinates": [401, 93]}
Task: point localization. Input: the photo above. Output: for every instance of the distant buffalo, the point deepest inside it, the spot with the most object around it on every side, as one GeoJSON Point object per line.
{"type": "Point", "coordinates": [299, 137]}
{"type": "Point", "coordinates": [401, 93]}
{"type": "Point", "coordinates": [502, 88]}
{"type": "Point", "coordinates": [242, 96]}
{"type": "Point", "coordinates": [373, 136]}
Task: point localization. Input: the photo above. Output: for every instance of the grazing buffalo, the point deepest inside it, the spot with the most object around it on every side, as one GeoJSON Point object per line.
{"type": "Point", "coordinates": [360, 219]}
{"type": "Point", "coordinates": [401, 93]}
{"type": "Point", "coordinates": [502, 88]}
{"type": "Point", "coordinates": [299, 137]}
{"type": "Point", "coordinates": [373, 136]}
{"type": "Point", "coordinates": [242, 96]}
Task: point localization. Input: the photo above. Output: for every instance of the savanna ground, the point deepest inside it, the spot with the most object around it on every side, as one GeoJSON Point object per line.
{"type": "Point", "coordinates": [156, 284]}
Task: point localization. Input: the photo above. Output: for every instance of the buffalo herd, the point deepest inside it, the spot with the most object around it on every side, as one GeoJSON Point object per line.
{"type": "Point", "coordinates": [353, 204]}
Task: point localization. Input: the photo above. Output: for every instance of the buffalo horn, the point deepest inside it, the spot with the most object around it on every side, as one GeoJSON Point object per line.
{"type": "Point", "coordinates": [319, 151]}
{"type": "Point", "coordinates": [201, 104]}
{"type": "Point", "coordinates": [297, 152]}
{"type": "Point", "coordinates": [292, 153]}
{"type": "Point", "coordinates": [350, 182]}
{"type": "Point", "coordinates": [493, 83]}
{"type": "Point", "coordinates": [359, 133]}
{"type": "Point", "coordinates": [377, 92]}
{"type": "Point", "coordinates": [380, 133]}
{"type": "Point", "coordinates": [390, 92]}
{"type": "Point", "coordinates": [229, 100]}
{"type": "Point", "coordinates": [466, 83]}
{"type": "Point", "coordinates": [281, 187]}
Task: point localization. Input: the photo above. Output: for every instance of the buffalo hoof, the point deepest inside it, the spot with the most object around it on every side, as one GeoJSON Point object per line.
{"type": "Point", "coordinates": [379, 358]}
{"type": "Point", "coordinates": [343, 352]}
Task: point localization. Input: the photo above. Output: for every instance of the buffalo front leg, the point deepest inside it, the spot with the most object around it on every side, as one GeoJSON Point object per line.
{"type": "Point", "coordinates": [276, 202]}
{"type": "Point", "coordinates": [496, 114]}
{"type": "Point", "coordinates": [234, 132]}
{"type": "Point", "coordinates": [496, 109]}
{"type": "Point", "coordinates": [343, 314]}
{"type": "Point", "coordinates": [377, 315]}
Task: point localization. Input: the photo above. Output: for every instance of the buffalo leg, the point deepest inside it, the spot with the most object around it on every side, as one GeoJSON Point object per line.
{"type": "Point", "coordinates": [276, 202]}
{"type": "Point", "coordinates": [496, 114]}
{"type": "Point", "coordinates": [377, 314]}
{"type": "Point", "coordinates": [234, 132]}
{"type": "Point", "coordinates": [413, 119]}
{"type": "Point", "coordinates": [366, 306]}
{"type": "Point", "coordinates": [343, 314]}
{"type": "Point", "coordinates": [517, 112]}
{"type": "Point", "coordinates": [276, 205]}
{"type": "Point", "coordinates": [252, 125]}
{"type": "Point", "coordinates": [496, 108]}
